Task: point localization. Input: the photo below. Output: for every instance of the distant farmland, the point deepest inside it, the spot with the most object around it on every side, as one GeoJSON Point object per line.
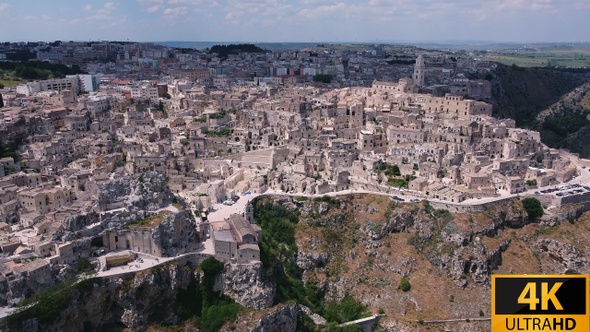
{"type": "Point", "coordinates": [554, 56]}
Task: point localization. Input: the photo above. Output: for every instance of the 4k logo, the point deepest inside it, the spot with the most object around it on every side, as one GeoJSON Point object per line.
{"type": "Point", "coordinates": [528, 296]}
{"type": "Point", "coordinates": [540, 303]}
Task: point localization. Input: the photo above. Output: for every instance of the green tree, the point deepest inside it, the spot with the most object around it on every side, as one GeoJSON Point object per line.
{"type": "Point", "coordinates": [324, 78]}
{"type": "Point", "coordinates": [404, 284]}
{"type": "Point", "coordinates": [395, 170]}
{"type": "Point", "coordinates": [345, 311]}
{"type": "Point", "coordinates": [533, 207]}
{"type": "Point", "coordinates": [1, 101]}
{"type": "Point", "coordinates": [83, 265]}
{"type": "Point", "coordinates": [160, 106]}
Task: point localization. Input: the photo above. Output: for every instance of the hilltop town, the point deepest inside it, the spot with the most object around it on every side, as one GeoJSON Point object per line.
{"type": "Point", "coordinates": [157, 152]}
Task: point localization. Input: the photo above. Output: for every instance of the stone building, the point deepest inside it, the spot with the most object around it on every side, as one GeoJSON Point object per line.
{"type": "Point", "coordinates": [236, 239]}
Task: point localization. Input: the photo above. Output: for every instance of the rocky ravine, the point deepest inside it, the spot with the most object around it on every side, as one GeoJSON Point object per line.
{"type": "Point", "coordinates": [364, 245]}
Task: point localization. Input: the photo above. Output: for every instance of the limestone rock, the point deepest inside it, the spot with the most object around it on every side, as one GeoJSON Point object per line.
{"type": "Point", "coordinates": [176, 234]}
{"type": "Point", "coordinates": [307, 260]}
{"type": "Point", "coordinates": [146, 192]}
{"type": "Point", "coordinates": [247, 285]}
{"type": "Point", "coordinates": [79, 221]}
{"type": "Point", "coordinates": [281, 319]}
{"type": "Point", "coordinates": [400, 221]}
{"type": "Point", "coordinates": [323, 208]}
{"type": "Point", "coordinates": [317, 319]}
{"type": "Point", "coordinates": [563, 253]}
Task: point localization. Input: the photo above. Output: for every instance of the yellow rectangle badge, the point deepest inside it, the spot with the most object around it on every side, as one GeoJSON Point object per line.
{"type": "Point", "coordinates": [540, 303]}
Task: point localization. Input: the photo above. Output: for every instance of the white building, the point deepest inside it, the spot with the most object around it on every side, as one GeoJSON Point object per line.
{"type": "Point", "coordinates": [145, 91]}
{"type": "Point", "coordinates": [88, 83]}
{"type": "Point", "coordinates": [69, 83]}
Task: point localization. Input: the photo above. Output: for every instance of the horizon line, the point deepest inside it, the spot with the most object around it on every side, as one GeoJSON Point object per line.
{"type": "Point", "coordinates": [441, 42]}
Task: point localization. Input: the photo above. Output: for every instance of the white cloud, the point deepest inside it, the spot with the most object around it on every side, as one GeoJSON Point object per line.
{"type": "Point", "coordinates": [154, 9]}
{"type": "Point", "coordinates": [104, 14]}
{"type": "Point", "coordinates": [191, 2]}
{"type": "Point", "coordinates": [175, 13]}
{"type": "Point", "coordinates": [4, 7]}
{"type": "Point", "coordinates": [150, 2]}
{"type": "Point", "coordinates": [110, 6]}
{"type": "Point", "coordinates": [261, 9]}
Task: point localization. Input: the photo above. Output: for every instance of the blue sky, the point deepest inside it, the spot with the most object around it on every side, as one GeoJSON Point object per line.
{"type": "Point", "coordinates": [296, 20]}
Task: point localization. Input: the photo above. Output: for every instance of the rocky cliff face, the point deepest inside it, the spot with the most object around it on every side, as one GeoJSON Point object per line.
{"type": "Point", "coordinates": [136, 300]}
{"type": "Point", "coordinates": [146, 192]}
{"type": "Point", "coordinates": [363, 245]}
{"type": "Point", "coordinates": [177, 234]}
{"type": "Point", "coordinates": [247, 285]}
{"type": "Point", "coordinates": [79, 221]}
{"type": "Point", "coordinates": [562, 257]}
{"type": "Point", "coordinates": [281, 318]}
{"type": "Point", "coordinates": [130, 301]}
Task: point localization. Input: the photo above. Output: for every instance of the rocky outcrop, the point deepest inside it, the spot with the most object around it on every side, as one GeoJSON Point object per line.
{"type": "Point", "coordinates": [563, 253]}
{"type": "Point", "coordinates": [281, 319]}
{"type": "Point", "coordinates": [247, 285]}
{"type": "Point", "coordinates": [399, 221]}
{"type": "Point", "coordinates": [176, 234]}
{"type": "Point", "coordinates": [130, 301]}
{"type": "Point", "coordinates": [480, 263]}
{"type": "Point", "coordinates": [311, 259]}
{"type": "Point", "coordinates": [146, 192]}
{"type": "Point", "coordinates": [77, 222]}
{"type": "Point", "coordinates": [149, 295]}
{"type": "Point", "coordinates": [120, 219]}
{"type": "Point", "coordinates": [317, 319]}
{"type": "Point", "coordinates": [510, 215]}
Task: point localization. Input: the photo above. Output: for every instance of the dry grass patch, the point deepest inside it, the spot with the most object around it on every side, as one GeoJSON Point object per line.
{"type": "Point", "coordinates": [152, 220]}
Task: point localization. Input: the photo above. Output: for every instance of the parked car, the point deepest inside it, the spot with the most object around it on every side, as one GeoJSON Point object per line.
{"type": "Point", "coordinates": [396, 198]}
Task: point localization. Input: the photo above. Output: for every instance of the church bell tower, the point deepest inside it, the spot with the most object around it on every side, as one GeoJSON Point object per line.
{"type": "Point", "coordinates": [419, 71]}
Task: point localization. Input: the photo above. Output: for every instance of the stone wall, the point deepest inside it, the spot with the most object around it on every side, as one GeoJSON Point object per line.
{"type": "Point", "coordinates": [583, 198]}
{"type": "Point", "coordinates": [460, 208]}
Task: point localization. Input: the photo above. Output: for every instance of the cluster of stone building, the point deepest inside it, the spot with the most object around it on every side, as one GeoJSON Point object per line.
{"type": "Point", "coordinates": [356, 66]}
{"type": "Point", "coordinates": [217, 136]}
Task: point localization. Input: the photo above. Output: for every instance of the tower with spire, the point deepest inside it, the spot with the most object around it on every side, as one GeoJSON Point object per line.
{"type": "Point", "coordinates": [419, 71]}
